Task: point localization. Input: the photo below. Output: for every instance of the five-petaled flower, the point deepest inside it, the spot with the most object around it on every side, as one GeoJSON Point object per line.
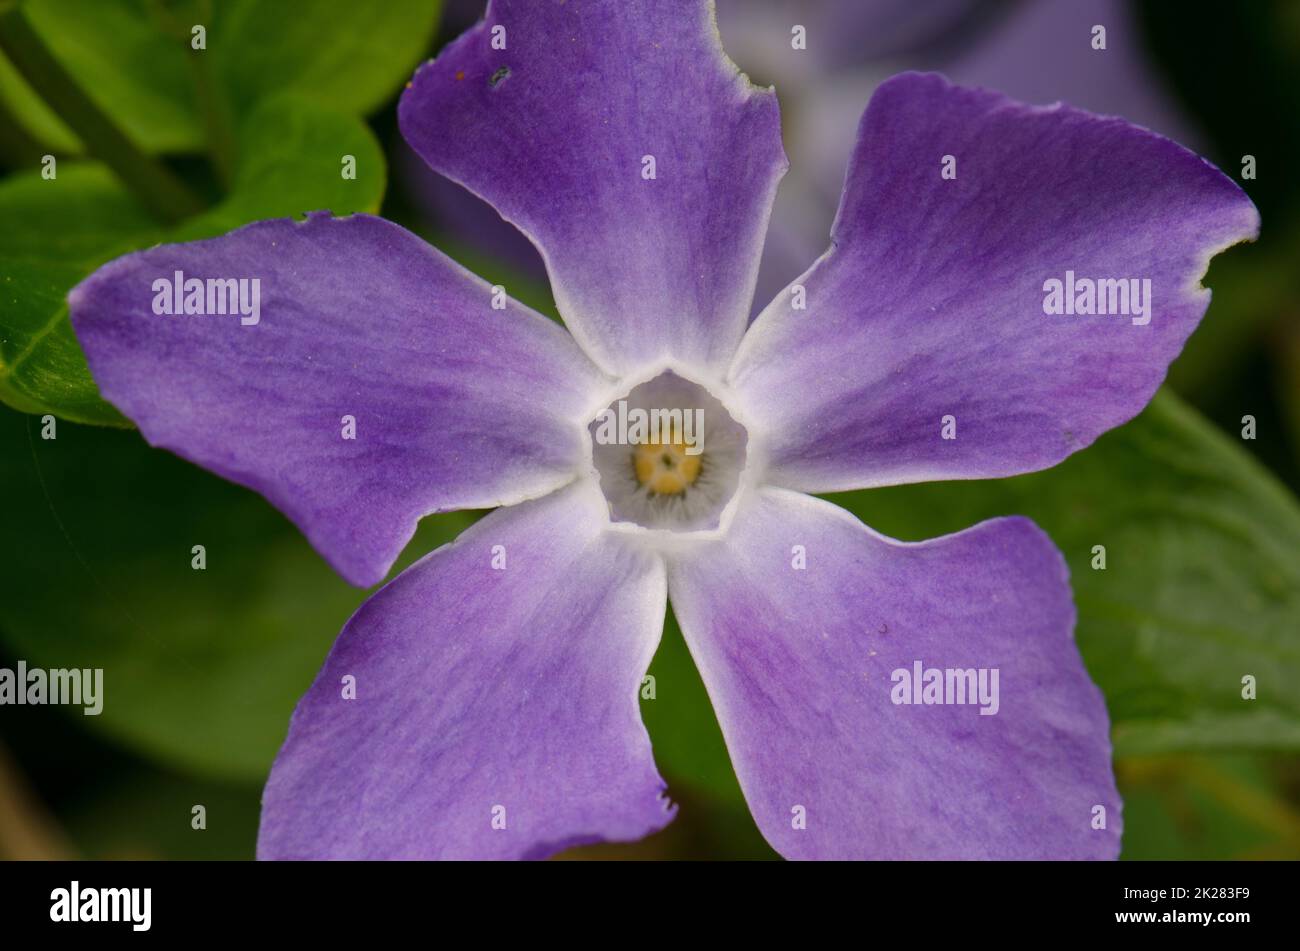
{"type": "Point", "coordinates": [496, 707]}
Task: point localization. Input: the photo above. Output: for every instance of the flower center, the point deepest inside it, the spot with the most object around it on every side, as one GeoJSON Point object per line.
{"type": "Point", "coordinates": [668, 454]}
{"type": "Point", "coordinates": [665, 468]}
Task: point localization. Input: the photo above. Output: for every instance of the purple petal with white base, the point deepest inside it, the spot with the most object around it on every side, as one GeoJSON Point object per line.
{"type": "Point", "coordinates": [456, 404]}
{"type": "Point", "coordinates": [930, 302]}
{"type": "Point", "coordinates": [496, 711]}
{"type": "Point", "coordinates": [554, 131]}
{"type": "Point", "coordinates": [799, 664]}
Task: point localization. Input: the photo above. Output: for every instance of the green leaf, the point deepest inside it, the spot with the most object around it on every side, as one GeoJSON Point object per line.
{"type": "Point", "coordinates": [202, 668]}
{"type": "Point", "coordinates": [290, 163]}
{"type": "Point", "coordinates": [58, 231]}
{"type": "Point", "coordinates": [135, 58]}
{"type": "Point", "coordinates": [1201, 585]}
{"type": "Point", "coordinates": [131, 57]}
{"type": "Point", "coordinates": [55, 233]}
{"type": "Point", "coordinates": [341, 53]}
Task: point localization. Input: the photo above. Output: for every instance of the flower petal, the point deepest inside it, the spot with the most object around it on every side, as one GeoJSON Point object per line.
{"type": "Point", "coordinates": [456, 404]}
{"type": "Point", "coordinates": [800, 665]}
{"type": "Point", "coordinates": [931, 301]}
{"type": "Point", "coordinates": [485, 697]}
{"type": "Point", "coordinates": [554, 124]}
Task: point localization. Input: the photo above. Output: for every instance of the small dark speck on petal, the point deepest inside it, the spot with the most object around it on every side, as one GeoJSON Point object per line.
{"type": "Point", "coordinates": [499, 77]}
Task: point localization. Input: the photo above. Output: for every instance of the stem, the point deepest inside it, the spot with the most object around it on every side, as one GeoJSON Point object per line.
{"type": "Point", "coordinates": [17, 147]}
{"type": "Point", "coordinates": [216, 119]}
{"type": "Point", "coordinates": [161, 192]}
{"type": "Point", "coordinates": [218, 124]}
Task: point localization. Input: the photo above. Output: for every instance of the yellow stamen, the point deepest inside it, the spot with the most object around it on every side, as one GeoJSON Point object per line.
{"type": "Point", "coordinates": [665, 468]}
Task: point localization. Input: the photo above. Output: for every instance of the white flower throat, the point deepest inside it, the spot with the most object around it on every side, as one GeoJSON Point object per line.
{"type": "Point", "coordinates": [669, 455]}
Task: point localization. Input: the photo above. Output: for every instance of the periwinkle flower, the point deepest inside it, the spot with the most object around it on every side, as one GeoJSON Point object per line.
{"type": "Point", "coordinates": [495, 711]}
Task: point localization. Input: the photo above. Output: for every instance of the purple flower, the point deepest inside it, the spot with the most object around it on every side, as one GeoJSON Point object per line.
{"type": "Point", "coordinates": [879, 699]}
